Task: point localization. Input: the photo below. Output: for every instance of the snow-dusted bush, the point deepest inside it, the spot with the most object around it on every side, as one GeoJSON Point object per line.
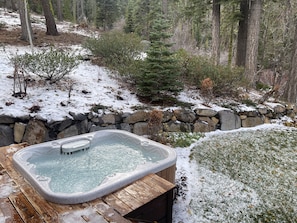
{"type": "Point", "coordinates": [195, 69]}
{"type": "Point", "coordinates": [117, 50]}
{"type": "Point", "coordinates": [51, 65]}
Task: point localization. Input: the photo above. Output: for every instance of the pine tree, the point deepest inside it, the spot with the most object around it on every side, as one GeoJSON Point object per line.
{"type": "Point", "coordinates": [107, 13]}
{"type": "Point", "coordinates": [129, 27]}
{"type": "Point", "coordinates": [158, 80]}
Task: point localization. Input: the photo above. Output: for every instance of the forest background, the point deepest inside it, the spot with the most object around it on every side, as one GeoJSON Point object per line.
{"type": "Point", "coordinates": [232, 40]}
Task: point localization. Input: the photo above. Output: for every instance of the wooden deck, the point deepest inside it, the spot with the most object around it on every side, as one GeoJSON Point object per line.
{"type": "Point", "coordinates": [148, 199]}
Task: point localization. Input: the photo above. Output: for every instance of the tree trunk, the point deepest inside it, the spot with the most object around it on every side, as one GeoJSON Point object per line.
{"type": "Point", "coordinates": [216, 17]}
{"type": "Point", "coordinates": [59, 10]}
{"type": "Point", "coordinates": [290, 94]}
{"type": "Point", "coordinates": [165, 7]}
{"type": "Point", "coordinates": [74, 10]}
{"type": "Point", "coordinates": [230, 50]}
{"type": "Point", "coordinates": [51, 28]}
{"type": "Point", "coordinates": [10, 5]}
{"type": "Point", "coordinates": [27, 32]}
{"type": "Point", "coordinates": [253, 41]}
{"type": "Point", "coordinates": [242, 33]}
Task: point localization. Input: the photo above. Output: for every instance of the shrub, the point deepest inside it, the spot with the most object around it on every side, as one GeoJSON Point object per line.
{"type": "Point", "coordinates": [155, 126]}
{"type": "Point", "coordinates": [195, 69]}
{"type": "Point", "coordinates": [52, 65]}
{"type": "Point", "coordinates": [19, 78]}
{"type": "Point", "coordinates": [117, 50]}
{"type": "Point", "coordinates": [182, 139]}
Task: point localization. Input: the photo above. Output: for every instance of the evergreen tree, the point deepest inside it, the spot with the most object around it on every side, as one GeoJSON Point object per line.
{"type": "Point", "coordinates": [140, 17]}
{"type": "Point", "coordinates": [107, 13]}
{"type": "Point", "coordinates": [129, 27]}
{"type": "Point", "coordinates": [158, 80]}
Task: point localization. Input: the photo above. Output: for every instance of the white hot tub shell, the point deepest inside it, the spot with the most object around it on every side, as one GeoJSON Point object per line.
{"type": "Point", "coordinates": [65, 147]}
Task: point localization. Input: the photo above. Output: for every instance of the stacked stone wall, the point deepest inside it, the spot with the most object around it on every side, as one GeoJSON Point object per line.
{"type": "Point", "coordinates": [33, 130]}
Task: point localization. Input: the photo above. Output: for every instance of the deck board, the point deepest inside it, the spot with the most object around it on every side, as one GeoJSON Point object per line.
{"type": "Point", "coordinates": [24, 205]}
{"type": "Point", "coordinates": [8, 212]}
{"type": "Point", "coordinates": [118, 204]}
{"type": "Point", "coordinates": [25, 208]}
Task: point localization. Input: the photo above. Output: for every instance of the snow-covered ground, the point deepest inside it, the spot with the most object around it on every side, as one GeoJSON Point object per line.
{"type": "Point", "coordinates": [245, 175]}
{"type": "Point", "coordinates": [210, 189]}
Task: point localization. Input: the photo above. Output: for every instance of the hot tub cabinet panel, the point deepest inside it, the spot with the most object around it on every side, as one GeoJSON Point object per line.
{"type": "Point", "coordinates": [168, 174]}
{"type": "Point", "coordinates": [162, 163]}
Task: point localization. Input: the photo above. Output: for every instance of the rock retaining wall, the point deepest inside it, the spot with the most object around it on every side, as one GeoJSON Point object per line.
{"type": "Point", "coordinates": [33, 130]}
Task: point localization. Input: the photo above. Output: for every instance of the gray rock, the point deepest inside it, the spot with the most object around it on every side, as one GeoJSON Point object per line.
{"type": "Point", "coordinates": [185, 115]}
{"type": "Point", "coordinates": [125, 126]}
{"type": "Point", "coordinates": [19, 131]}
{"type": "Point", "coordinates": [204, 124]}
{"type": "Point", "coordinates": [65, 124]}
{"type": "Point", "coordinates": [70, 131]}
{"type": "Point", "coordinates": [206, 112]}
{"type": "Point", "coordinates": [172, 126]}
{"type": "Point", "coordinates": [200, 126]}
{"type": "Point", "coordinates": [140, 128]}
{"type": "Point", "coordinates": [252, 121]}
{"type": "Point", "coordinates": [139, 116]}
{"type": "Point", "coordinates": [262, 110]}
{"type": "Point", "coordinates": [36, 132]}
{"type": "Point", "coordinates": [109, 119]}
{"type": "Point", "coordinates": [167, 115]}
{"type": "Point", "coordinates": [6, 135]}
{"type": "Point", "coordinates": [279, 109]}
{"type": "Point", "coordinates": [4, 119]}
{"type": "Point", "coordinates": [229, 120]}
{"type": "Point", "coordinates": [83, 127]}
{"type": "Point", "coordinates": [78, 117]}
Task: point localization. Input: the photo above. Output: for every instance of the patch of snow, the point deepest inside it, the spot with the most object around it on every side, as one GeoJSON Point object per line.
{"type": "Point", "coordinates": [6, 189]}
{"type": "Point", "coordinates": [87, 214]}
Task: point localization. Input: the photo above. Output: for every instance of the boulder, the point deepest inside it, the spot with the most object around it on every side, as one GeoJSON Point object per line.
{"type": "Point", "coordinates": [140, 128]}
{"type": "Point", "coordinates": [5, 119]}
{"type": "Point", "coordinates": [6, 135]}
{"type": "Point", "coordinates": [279, 109]}
{"type": "Point", "coordinates": [139, 116]}
{"type": "Point", "coordinates": [252, 122]}
{"type": "Point", "coordinates": [70, 131]}
{"type": "Point", "coordinates": [65, 124]}
{"type": "Point", "coordinates": [125, 126]}
{"type": "Point", "coordinates": [19, 131]}
{"type": "Point", "coordinates": [172, 126]}
{"type": "Point", "coordinates": [184, 115]}
{"type": "Point", "coordinates": [36, 132]}
{"type": "Point", "coordinates": [78, 117]}
{"type": "Point", "coordinates": [204, 124]}
{"type": "Point", "coordinates": [109, 119]}
{"type": "Point", "coordinates": [229, 120]}
{"type": "Point", "coordinates": [206, 112]}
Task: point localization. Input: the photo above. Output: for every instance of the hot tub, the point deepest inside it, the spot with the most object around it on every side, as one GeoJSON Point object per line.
{"type": "Point", "coordinates": [85, 167]}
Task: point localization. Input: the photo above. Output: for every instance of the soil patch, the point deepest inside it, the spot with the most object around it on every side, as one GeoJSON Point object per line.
{"type": "Point", "coordinates": [12, 37]}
